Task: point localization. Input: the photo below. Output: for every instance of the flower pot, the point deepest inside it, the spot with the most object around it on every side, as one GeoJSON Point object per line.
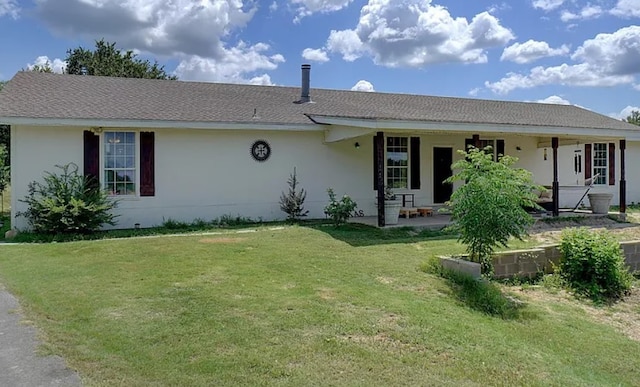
{"type": "Point", "coordinates": [600, 202]}
{"type": "Point", "coordinates": [392, 211]}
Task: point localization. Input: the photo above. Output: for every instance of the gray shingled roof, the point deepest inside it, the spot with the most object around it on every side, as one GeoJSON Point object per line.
{"type": "Point", "coordinates": [38, 95]}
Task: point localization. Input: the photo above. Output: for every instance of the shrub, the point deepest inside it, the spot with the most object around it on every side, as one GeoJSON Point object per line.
{"type": "Point", "coordinates": [292, 202]}
{"type": "Point", "coordinates": [339, 211]}
{"type": "Point", "coordinates": [4, 169]}
{"type": "Point", "coordinates": [593, 265]}
{"type": "Point", "coordinates": [67, 203]}
{"type": "Point", "coordinates": [490, 207]}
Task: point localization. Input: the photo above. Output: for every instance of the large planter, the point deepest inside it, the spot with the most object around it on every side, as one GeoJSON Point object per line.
{"type": "Point", "coordinates": [392, 211]}
{"type": "Point", "coordinates": [600, 202]}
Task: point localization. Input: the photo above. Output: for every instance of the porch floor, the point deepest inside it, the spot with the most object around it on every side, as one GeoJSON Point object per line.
{"type": "Point", "coordinates": [440, 220]}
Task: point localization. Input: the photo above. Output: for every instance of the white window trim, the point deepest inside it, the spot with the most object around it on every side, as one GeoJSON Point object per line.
{"type": "Point", "coordinates": [603, 179]}
{"type": "Point", "coordinates": [386, 167]}
{"type": "Point", "coordinates": [136, 134]}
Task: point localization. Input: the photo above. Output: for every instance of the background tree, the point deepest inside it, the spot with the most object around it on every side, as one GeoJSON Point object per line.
{"type": "Point", "coordinates": [107, 60]}
{"type": "Point", "coordinates": [634, 118]}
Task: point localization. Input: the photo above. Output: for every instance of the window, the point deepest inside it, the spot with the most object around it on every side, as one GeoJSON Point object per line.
{"type": "Point", "coordinates": [120, 163]}
{"type": "Point", "coordinates": [600, 158]}
{"type": "Point", "coordinates": [398, 162]}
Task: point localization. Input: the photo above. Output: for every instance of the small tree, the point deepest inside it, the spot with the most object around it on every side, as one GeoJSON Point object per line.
{"type": "Point", "coordinates": [490, 207]}
{"type": "Point", "coordinates": [292, 202]}
{"type": "Point", "coordinates": [67, 203]}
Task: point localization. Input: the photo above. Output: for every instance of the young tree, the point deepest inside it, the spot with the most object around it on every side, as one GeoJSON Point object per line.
{"type": "Point", "coordinates": [107, 60]}
{"type": "Point", "coordinates": [634, 118]}
{"type": "Point", "coordinates": [292, 203]}
{"type": "Point", "coordinates": [489, 207]}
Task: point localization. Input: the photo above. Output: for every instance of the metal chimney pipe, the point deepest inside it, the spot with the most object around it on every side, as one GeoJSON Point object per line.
{"type": "Point", "coordinates": [306, 75]}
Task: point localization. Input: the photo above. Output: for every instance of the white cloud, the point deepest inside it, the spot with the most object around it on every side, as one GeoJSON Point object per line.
{"type": "Point", "coordinates": [9, 7]}
{"type": "Point", "coordinates": [627, 9]}
{"type": "Point", "coordinates": [616, 53]}
{"type": "Point", "coordinates": [547, 5]}
{"type": "Point", "coordinates": [624, 113]}
{"type": "Point", "coordinates": [415, 33]}
{"type": "Point", "coordinates": [588, 12]}
{"type": "Point", "coordinates": [363, 85]}
{"type": "Point", "coordinates": [309, 7]}
{"type": "Point", "coordinates": [274, 6]}
{"type": "Point", "coordinates": [606, 60]}
{"type": "Point", "coordinates": [530, 51]}
{"type": "Point", "coordinates": [196, 32]}
{"type": "Point", "coordinates": [474, 92]}
{"type": "Point", "coordinates": [554, 99]}
{"type": "Point", "coordinates": [233, 67]}
{"type": "Point", "coordinates": [566, 75]}
{"type": "Point", "coordinates": [57, 65]}
{"type": "Point", "coordinates": [347, 43]}
{"type": "Point", "coordinates": [315, 55]}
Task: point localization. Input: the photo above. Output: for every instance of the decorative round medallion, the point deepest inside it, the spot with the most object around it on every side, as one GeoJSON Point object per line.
{"type": "Point", "coordinates": [260, 150]}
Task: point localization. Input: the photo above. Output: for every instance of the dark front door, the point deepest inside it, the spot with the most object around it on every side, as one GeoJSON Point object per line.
{"type": "Point", "coordinates": [442, 159]}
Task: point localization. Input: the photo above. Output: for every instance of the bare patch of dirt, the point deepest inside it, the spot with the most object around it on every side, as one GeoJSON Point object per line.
{"type": "Point", "coordinates": [222, 240]}
{"type": "Point", "coordinates": [547, 232]}
{"type": "Point", "coordinates": [326, 293]}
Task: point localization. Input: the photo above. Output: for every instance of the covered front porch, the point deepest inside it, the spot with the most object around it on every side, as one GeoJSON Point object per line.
{"type": "Point", "coordinates": [414, 158]}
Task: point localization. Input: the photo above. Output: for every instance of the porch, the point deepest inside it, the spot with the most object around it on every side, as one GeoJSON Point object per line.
{"type": "Point", "coordinates": [441, 220]}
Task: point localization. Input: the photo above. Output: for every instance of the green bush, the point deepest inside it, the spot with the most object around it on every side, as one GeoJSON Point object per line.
{"type": "Point", "coordinates": [593, 265]}
{"type": "Point", "coordinates": [67, 203]}
{"type": "Point", "coordinates": [489, 208]}
{"type": "Point", "coordinates": [339, 210]}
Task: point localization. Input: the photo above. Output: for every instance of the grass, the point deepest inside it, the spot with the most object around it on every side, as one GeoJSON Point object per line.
{"type": "Point", "coordinates": [294, 306]}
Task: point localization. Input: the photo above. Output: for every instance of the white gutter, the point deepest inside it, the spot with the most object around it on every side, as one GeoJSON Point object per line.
{"type": "Point", "coordinates": [111, 123]}
{"type": "Point", "coordinates": [396, 125]}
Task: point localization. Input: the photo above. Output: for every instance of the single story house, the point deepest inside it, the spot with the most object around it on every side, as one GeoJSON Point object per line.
{"type": "Point", "coordinates": [186, 150]}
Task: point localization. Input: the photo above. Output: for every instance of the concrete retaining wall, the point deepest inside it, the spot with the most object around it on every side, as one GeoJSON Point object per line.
{"type": "Point", "coordinates": [528, 263]}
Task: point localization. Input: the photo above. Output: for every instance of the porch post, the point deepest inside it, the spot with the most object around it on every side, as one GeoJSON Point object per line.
{"type": "Point", "coordinates": [623, 181]}
{"type": "Point", "coordinates": [380, 174]}
{"type": "Point", "coordinates": [556, 185]}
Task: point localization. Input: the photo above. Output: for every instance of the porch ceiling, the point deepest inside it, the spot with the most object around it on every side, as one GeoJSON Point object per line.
{"type": "Point", "coordinates": [340, 128]}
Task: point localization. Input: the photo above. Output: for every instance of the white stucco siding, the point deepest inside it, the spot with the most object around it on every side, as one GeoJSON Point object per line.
{"type": "Point", "coordinates": [633, 172]}
{"type": "Point", "coordinates": [210, 174]}
{"type": "Point", "coordinates": [35, 150]}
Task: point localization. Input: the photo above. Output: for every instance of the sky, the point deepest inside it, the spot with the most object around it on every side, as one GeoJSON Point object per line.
{"type": "Point", "coordinates": [585, 53]}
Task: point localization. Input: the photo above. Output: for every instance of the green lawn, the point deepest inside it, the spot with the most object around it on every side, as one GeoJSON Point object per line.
{"type": "Point", "coordinates": [294, 306]}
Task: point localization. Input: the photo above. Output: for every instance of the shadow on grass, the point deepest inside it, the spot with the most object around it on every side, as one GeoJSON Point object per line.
{"type": "Point", "coordinates": [358, 235]}
{"type": "Point", "coordinates": [479, 294]}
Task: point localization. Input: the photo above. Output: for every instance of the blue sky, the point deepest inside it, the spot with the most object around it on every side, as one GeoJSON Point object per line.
{"type": "Point", "coordinates": [559, 51]}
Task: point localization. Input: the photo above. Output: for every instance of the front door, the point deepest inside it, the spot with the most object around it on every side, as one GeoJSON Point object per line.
{"type": "Point", "coordinates": [442, 160]}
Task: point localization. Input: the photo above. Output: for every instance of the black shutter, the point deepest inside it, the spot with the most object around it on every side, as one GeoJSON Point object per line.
{"type": "Point", "coordinates": [92, 158]}
{"type": "Point", "coordinates": [375, 163]}
{"type": "Point", "coordinates": [499, 149]}
{"type": "Point", "coordinates": [147, 164]}
{"type": "Point", "coordinates": [587, 161]}
{"type": "Point", "coordinates": [414, 165]}
{"type": "Point", "coordinates": [612, 163]}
